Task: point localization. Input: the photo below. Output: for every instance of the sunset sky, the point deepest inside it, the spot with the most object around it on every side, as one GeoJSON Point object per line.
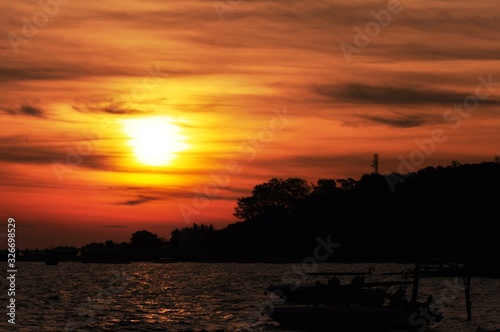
{"type": "Point", "coordinates": [118, 116]}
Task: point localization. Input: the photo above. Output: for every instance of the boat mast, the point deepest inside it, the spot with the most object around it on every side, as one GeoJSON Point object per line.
{"type": "Point", "coordinates": [416, 280]}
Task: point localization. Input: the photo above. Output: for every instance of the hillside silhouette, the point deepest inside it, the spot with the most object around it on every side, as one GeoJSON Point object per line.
{"type": "Point", "coordinates": [445, 211]}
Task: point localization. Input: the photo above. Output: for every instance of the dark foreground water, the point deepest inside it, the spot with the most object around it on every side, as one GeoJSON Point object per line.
{"type": "Point", "coordinates": [196, 297]}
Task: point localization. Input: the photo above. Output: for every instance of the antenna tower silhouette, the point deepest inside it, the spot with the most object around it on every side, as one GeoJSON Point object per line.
{"type": "Point", "coordinates": [375, 163]}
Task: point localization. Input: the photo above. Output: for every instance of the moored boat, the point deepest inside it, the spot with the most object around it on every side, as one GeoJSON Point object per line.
{"type": "Point", "coordinates": [51, 258]}
{"type": "Point", "coordinates": [355, 306]}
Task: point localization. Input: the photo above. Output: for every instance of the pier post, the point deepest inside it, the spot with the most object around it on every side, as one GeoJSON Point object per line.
{"type": "Point", "coordinates": [416, 280]}
{"type": "Point", "coordinates": [468, 302]}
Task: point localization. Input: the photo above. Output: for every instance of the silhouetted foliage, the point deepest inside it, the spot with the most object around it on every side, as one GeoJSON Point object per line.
{"type": "Point", "coordinates": [145, 240]}
{"type": "Point", "coordinates": [106, 252]}
{"type": "Point", "coordinates": [442, 211]}
{"type": "Point", "coordinates": [379, 217]}
{"type": "Point", "coordinates": [192, 243]}
{"type": "Point", "coordinates": [146, 246]}
{"type": "Point", "coordinates": [275, 197]}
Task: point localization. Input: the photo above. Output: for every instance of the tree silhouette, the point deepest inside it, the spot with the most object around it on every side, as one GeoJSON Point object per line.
{"type": "Point", "coordinates": [325, 187]}
{"type": "Point", "coordinates": [347, 184]}
{"type": "Point", "coordinates": [144, 240]}
{"type": "Point", "coordinates": [275, 197]}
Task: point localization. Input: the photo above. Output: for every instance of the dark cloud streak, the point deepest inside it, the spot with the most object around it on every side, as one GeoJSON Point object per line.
{"type": "Point", "coordinates": [404, 121]}
{"type": "Point", "coordinates": [27, 110]}
{"type": "Point", "coordinates": [111, 108]}
{"type": "Point", "coordinates": [358, 93]}
{"type": "Point", "coordinates": [140, 200]}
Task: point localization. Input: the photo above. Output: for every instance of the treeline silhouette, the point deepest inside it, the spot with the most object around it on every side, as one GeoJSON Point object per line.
{"type": "Point", "coordinates": [445, 212]}
{"type": "Point", "coordinates": [143, 246]}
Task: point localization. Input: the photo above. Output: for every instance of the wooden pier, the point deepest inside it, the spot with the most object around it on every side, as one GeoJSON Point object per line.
{"type": "Point", "coordinates": [440, 268]}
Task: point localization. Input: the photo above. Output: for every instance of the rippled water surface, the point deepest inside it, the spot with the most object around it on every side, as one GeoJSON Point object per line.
{"type": "Point", "coordinates": [198, 296]}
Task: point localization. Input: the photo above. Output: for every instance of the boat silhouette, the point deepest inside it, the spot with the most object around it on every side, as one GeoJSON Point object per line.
{"type": "Point", "coordinates": [51, 257]}
{"type": "Point", "coordinates": [354, 306]}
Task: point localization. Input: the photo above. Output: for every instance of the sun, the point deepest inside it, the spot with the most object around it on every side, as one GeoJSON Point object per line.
{"type": "Point", "coordinates": [154, 140]}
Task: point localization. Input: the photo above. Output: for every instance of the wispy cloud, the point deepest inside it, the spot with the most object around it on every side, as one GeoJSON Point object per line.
{"type": "Point", "coordinates": [37, 153]}
{"type": "Point", "coordinates": [108, 108]}
{"type": "Point", "coordinates": [140, 200]}
{"type": "Point", "coordinates": [401, 121]}
{"type": "Point", "coordinates": [359, 93]}
{"type": "Point", "coordinates": [26, 109]}
{"type": "Point", "coordinates": [29, 153]}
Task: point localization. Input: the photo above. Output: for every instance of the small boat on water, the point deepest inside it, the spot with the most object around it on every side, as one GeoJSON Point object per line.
{"type": "Point", "coordinates": [51, 258]}
{"type": "Point", "coordinates": [358, 291]}
{"type": "Point", "coordinates": [354, 306]}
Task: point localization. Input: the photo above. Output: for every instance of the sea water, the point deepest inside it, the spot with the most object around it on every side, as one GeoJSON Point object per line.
{"type": "Point", "coordinates": [73, 296]}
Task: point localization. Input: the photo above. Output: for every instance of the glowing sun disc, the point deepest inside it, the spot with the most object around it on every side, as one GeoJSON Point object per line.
{"type": "Point", "coordinates": [154, 140]}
